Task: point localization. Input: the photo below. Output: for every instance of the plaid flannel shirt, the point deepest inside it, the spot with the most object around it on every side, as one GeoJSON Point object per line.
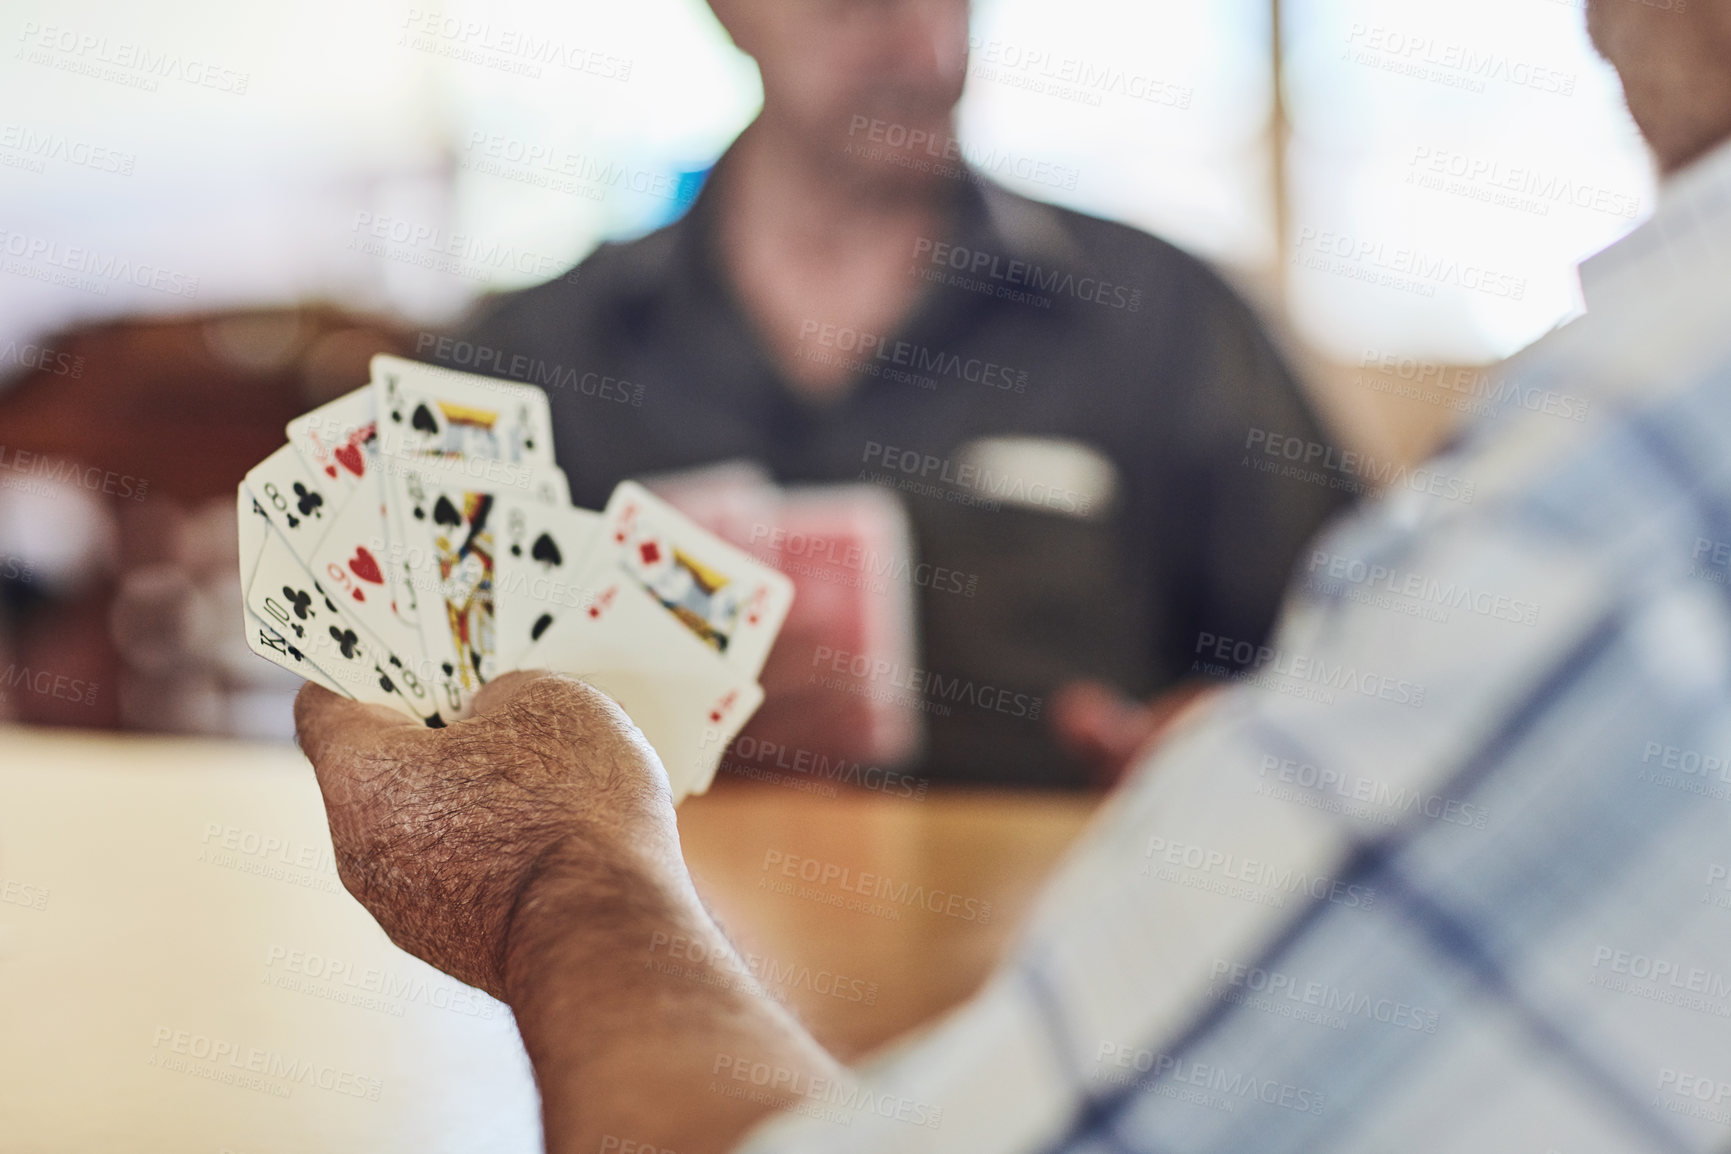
{"type": "Point", "coordinates": [1451, 871]}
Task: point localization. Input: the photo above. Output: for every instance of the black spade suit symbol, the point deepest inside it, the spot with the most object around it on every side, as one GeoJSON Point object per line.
{"type": "Point", "coordinates": [547, 550]}
{"type": "Point", "coordinates": [445, 513]}
{"type": "Point", "coordinates": [422, 419]}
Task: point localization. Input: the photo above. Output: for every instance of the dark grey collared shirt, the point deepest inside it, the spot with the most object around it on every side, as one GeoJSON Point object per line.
{"type": "Point", "coordinates": [1068, 417]}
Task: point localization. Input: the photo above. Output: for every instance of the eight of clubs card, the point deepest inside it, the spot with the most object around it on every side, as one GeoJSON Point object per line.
{"type": "Point", "coordinates": [263, 638]}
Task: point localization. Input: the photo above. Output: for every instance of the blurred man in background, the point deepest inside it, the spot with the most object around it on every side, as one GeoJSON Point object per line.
{"type": "Point", "coordinates": [1507, 929]}
{"type": "Point", "coordinates": [1060, 404]}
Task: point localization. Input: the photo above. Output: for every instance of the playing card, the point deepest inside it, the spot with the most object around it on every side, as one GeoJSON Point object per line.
{"type": "Point", "coordinates": [255, 527]}
{"type": "Point", "coordinates": [544, 483]}
{"type": "Point", "coordinates": [352, 557]}
{"type": "Point", "coordinates": [262, 638]}
{"type": "Point", "coordinates": [849, 551]}
{"type": "Point", "coordinates": [286, 598]}
{"type": "Point", "coordinates": [432, 412]}
{"type": "Point", "coordinates": [733, 499]}
{"type": "Point", "coordinates": [688, 721]}
{"type": "Point", "coordinates": [450, 528]}
{"type": "Point", "coordinates": [339, 444]}
{"type": "Point", "coordinates": [492, 433]}
{"type": "Point", "coordinates": [647, 550]}
{"type": "Point", "coordinates": [337, 441]}
{"type": "Point", "coordinates": [352, 562]}
{"type": "Point", "coordinates": [688, 702]}
{"type": "Point", "coordinates": [414, 539]}
{"type": "Point", "coordinates": [293, 499]}
{"type": "Point", "coordinates": [542, 548]}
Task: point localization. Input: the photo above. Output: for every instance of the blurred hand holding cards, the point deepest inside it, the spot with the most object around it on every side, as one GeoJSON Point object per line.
{"type": "Point", "coordinates": [414, 540]}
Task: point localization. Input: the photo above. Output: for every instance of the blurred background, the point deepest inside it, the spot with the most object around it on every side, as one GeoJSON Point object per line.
{"type": "Point", "coordinates": [190, 192]}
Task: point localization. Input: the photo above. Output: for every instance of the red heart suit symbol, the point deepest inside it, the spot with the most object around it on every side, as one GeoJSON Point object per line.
{"type": "Point", "coordinates": [350, 458]}
{"type": "Point", "coordinates": [365, 566]}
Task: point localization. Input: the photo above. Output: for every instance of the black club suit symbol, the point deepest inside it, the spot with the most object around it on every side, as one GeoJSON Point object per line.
{"type": "Point", "coordinates": [301, 604]}
{"type": "Point", "coordinates": [308, 501]}
{"type": "Point", "coordinates": [347, 642]}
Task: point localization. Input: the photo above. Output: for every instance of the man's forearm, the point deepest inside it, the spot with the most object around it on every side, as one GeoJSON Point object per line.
{"type": "Point", "coordinates": [627, 1049]}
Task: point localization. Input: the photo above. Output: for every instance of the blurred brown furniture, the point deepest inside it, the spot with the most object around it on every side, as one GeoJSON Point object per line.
{"type": "Point", "coordinates": [176, 410]}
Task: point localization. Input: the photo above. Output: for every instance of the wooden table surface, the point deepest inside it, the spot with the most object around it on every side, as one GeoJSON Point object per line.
{"type": "Point", "coordinates": [181, 971]}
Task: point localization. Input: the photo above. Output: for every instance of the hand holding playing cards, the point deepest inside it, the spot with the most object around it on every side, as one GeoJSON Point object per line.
{"type": "Point", "coordinates": [442, 833]}
{"type": "Point", "coordinates": [414, 541]}
{"type": "Point", "coordinates": [531, 850]}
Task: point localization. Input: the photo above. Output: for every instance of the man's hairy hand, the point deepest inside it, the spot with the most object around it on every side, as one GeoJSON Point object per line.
{"type": "Point", "coordinates": [444, 834]}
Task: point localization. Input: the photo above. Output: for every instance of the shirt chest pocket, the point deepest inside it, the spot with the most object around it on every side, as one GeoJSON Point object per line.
{"type": "Point", "coordinates": [1031, 530]}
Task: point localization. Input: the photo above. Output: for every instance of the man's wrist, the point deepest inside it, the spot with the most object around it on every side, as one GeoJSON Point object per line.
{"type": "Point", "coordinates": [614, 1033]}
{"type": "Point", "coordinates": [580, 904]}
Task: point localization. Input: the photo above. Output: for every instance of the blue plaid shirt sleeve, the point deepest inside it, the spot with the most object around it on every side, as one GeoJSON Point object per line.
{"type": "Point", "coordinates": [1451, 869]}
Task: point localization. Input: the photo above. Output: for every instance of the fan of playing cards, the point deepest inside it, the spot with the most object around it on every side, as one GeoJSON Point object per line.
{"type": "Point", "coordinates": [414, 540]}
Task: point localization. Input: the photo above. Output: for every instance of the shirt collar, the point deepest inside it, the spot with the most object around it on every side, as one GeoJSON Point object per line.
{"type": "Point", "coordinates": [1688, 237]}
{"type": "Point", "coordinates": [678, 273]}
{"type": "Point", "coordinates": [983, 218]}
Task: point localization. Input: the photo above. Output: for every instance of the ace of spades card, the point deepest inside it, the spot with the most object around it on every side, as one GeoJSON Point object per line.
{"type": "Point", "coordinates": [542, 548]}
